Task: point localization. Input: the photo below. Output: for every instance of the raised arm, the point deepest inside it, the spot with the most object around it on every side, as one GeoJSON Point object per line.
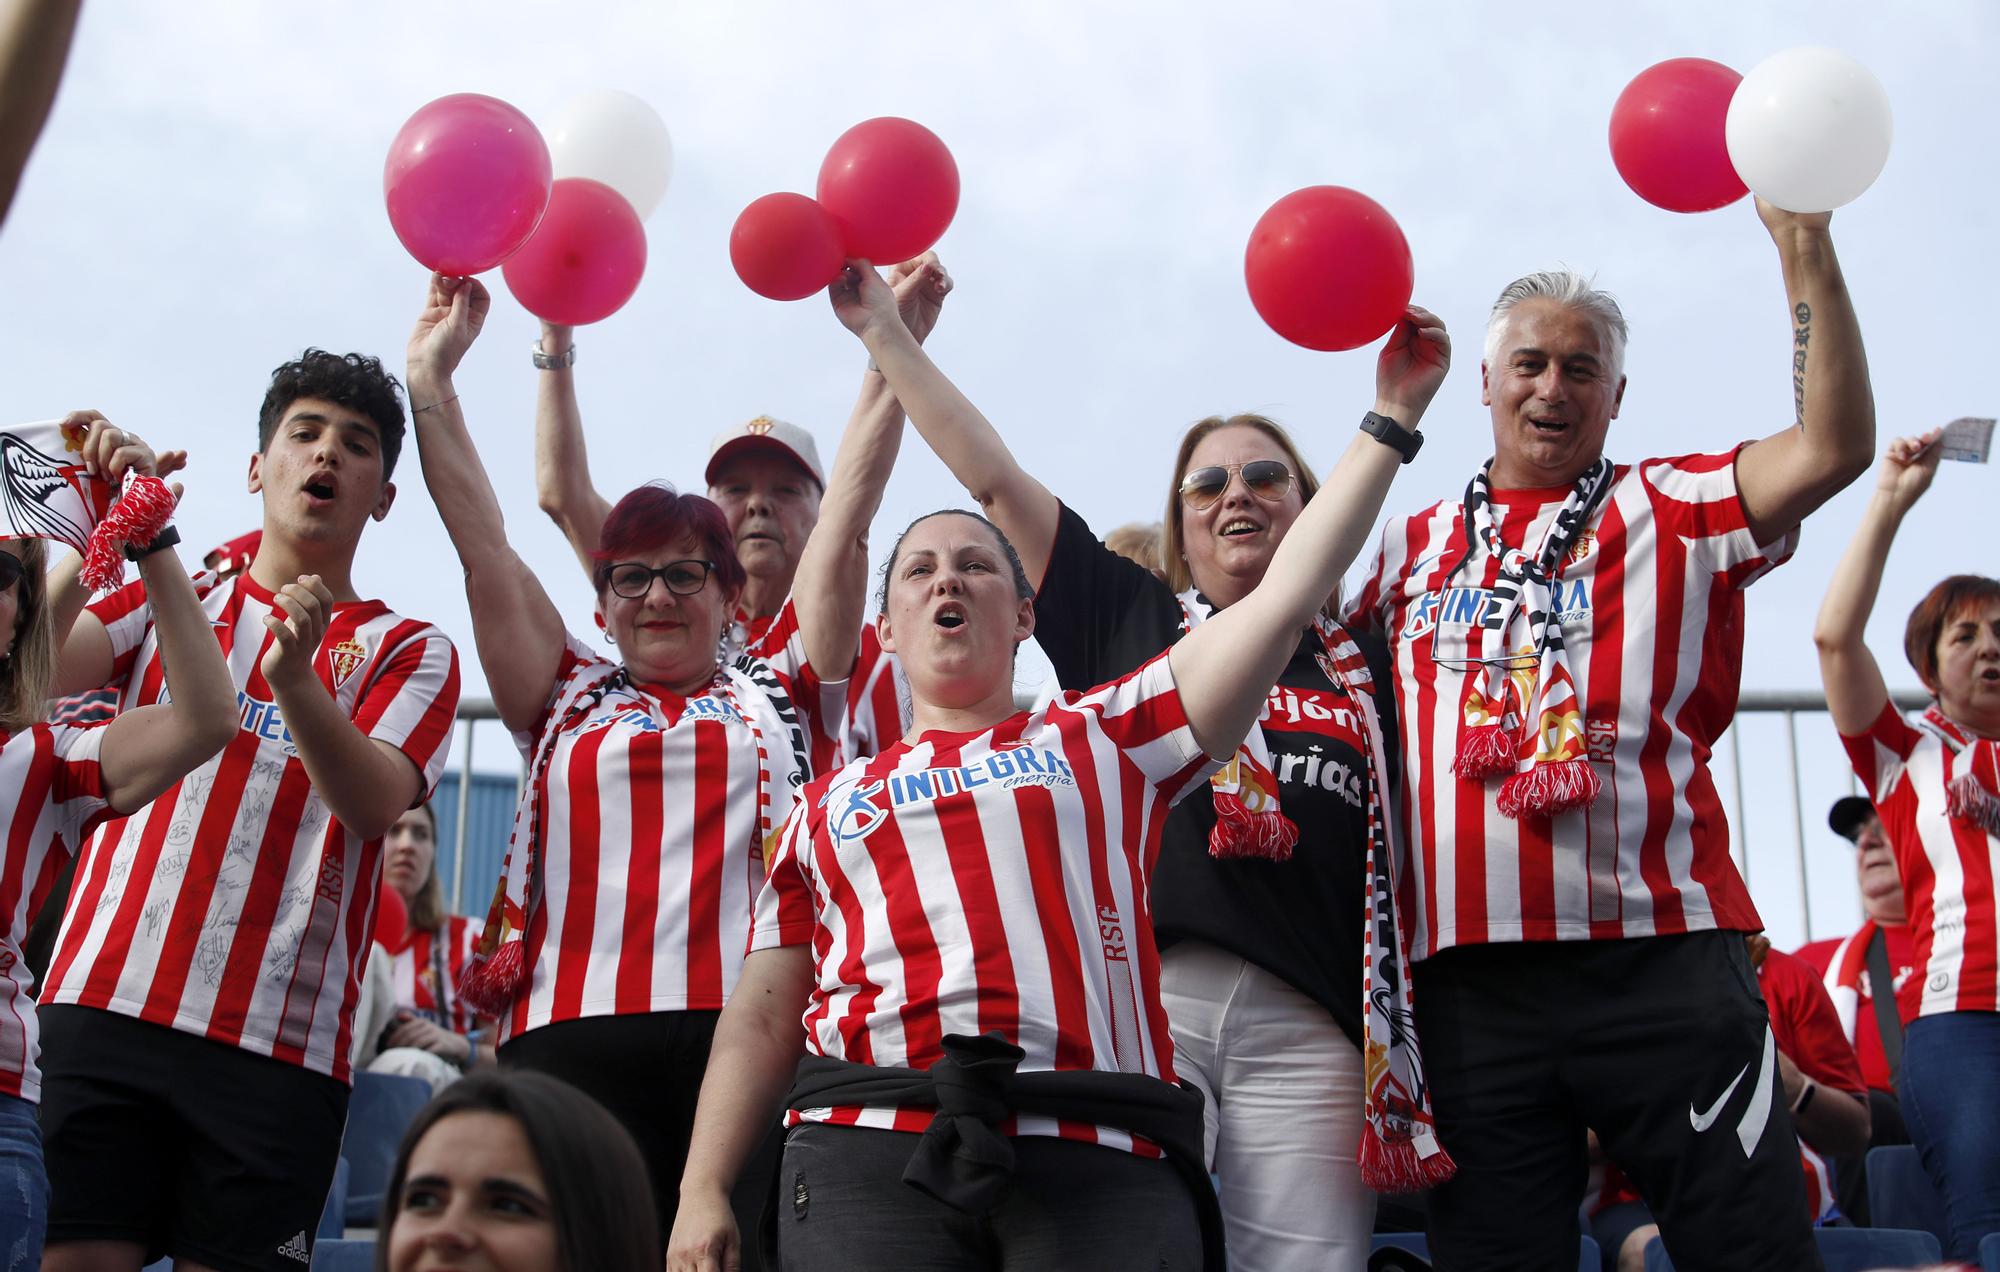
{"type": "Point", "coordinates": [34, 44]}
{"type": "Point", "coordinates": [968, 444]}
{"type": "Point", "coordinates": [515, 626]}
{"type": "Point", "coordinates": [831, 589]}
{"type": "Point", "coordinates": [148, 749]}
{"type": "Point", "coordinates": [562, 462]}
{"type": "Point", "coordinates": [1226, 666]}
{"type": "Point", "coordinates": [757, 1046]}
{"type": "Point", "coordinates": [1855, 691]}
{"type": "Point", "coordinates": [1787, 475]}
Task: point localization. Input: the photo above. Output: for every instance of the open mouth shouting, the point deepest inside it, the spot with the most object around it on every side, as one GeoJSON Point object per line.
{"type": "Point", "coordinates": [950, 617]}
{"type": "Point", "coordinates": [321, 489]}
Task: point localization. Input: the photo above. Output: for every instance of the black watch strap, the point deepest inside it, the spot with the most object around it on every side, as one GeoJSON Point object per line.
{"type": "Point", "coordinates": [167, 538]}
{"type": "Point", "coordinates": [1390, 433]}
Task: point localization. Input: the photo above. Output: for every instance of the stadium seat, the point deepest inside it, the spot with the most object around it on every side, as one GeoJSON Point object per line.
{"type": "Point", "coordinates": [1588, 1258]}
{"type": "Point", "coordinates": [1847, 1249]}
{"type": "Point", "coordinates": [333, 1219]}
{"type": "Point", "coordinates": [343, 1256]}
{"type": "Point", "coordinates": [382, 1106]}
{"type": "Point", "coordinates": [1989, 1253]}
{"type": "Point", "coordinates": [1901, 1195]}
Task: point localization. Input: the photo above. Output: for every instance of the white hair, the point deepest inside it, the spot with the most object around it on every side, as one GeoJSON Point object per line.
{"type": "Point", "coordinates": [1565, 287]}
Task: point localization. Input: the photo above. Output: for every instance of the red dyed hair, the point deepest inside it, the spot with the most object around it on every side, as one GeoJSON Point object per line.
{"type": "Point", "coordinates": [1938, 610]}
{"type": "Point", "coordinates": [656, 515]}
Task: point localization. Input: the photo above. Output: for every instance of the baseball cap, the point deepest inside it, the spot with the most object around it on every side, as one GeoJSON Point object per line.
{"type": "Point", "coordinates": [765, 433]}
{"type": "Point", "coordinates": [234, 556]}
{"type": "Point", "coordinates": [1847, 815]}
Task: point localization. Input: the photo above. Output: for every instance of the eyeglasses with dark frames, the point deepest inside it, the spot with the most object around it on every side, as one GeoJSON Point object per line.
{"type": "Point", "coordinates": [632, 581]}
{"type": "Point", "coordinates": [1268, 479]}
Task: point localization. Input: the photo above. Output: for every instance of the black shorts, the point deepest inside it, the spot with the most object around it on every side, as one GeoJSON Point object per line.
{"type": "Point", "coordinates": [187, 1147]}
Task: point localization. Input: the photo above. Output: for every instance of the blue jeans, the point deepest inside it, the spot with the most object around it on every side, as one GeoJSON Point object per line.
{"type": "Point", "coordinates": [1951, 1100]}
{"type": "Point", "coordinates": [24, 1186]}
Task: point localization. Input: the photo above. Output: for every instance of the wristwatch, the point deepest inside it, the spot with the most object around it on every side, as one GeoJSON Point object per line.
{"type": "Point", "coordinates": [554, 361]}
{"type": "Point", "coordinates": [167, 538]}
{"type": "Point", "coordinates": [1390, 433]}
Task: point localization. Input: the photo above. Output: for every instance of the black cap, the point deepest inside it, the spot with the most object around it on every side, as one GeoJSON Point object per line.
{"type": "Point", "coordinates": [1848, 814]}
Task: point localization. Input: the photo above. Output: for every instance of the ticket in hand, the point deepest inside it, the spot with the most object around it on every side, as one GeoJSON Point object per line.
{"type": "Point", "coordinates": [1968, 440]}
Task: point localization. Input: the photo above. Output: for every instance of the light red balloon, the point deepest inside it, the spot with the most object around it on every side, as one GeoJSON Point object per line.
{"type": "Point", "coordinates": [1328, 268]}
{"type": "Point", "coordinates": [392, 918]}
{"type": "Point", "coordinates": [893, 187]}
{"type": "Point", "coordinates": [467, 180]}
{"type": "Point", "coordinates": [786, 247]}
{"type": "Point", "coordinates": [584, 260]}
{"type": "Point", "coordinates": [1667, 135]}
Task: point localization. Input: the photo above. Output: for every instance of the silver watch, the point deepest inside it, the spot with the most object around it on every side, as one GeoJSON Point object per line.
{"type": "Point", "coordinates": [553, 361]}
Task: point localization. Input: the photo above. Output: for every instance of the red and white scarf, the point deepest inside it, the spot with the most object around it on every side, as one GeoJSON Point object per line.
{"type": "Point", "coordinates": [1399, 1145]}
{"type": "Point", "coordinates": [1972, 772]}
{"type": "Point", "coordinates": [1521, 715]}
{"type": "Point", "coordinates": [46, 492]}
{"type": "Point", "coordinates": [1843, 977]}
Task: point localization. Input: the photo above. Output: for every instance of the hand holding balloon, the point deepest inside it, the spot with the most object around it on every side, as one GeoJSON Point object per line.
{"type": "Point", "coordinates": [920, 286]}
{"type": "Point", "coordinates": [1412, 365]}
{"type": "Point", "coordinates": [864, 303]}
{"type": "Point", "coordinates": [454, 311]}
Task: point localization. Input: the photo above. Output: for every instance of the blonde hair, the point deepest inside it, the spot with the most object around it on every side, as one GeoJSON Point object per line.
{"type": "Point", "coordinates": [30, 668]}
{"type": "Point", "coordinates": [1173, 544]}
{"type": "Point", "coordinates": [1138, 541]}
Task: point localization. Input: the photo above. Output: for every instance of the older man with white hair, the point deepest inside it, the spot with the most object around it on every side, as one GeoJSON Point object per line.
{"type": "Point", "coordinates": [1566, 640]}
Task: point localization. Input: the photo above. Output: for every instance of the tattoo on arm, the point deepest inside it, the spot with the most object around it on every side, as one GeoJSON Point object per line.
{"type": "Point", "coordinates": [1800, 336]}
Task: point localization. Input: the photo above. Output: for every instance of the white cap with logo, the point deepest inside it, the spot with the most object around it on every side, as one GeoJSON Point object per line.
{"type": "Point", "coordinates": [765, 433]}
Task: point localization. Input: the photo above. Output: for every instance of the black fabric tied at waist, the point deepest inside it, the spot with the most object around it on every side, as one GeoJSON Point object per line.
{"type": "Point", "coordinates": [964, 1161]}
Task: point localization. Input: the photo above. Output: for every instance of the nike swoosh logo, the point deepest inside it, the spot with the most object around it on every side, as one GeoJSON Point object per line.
{"type": "Point", "coordinates": [1702, 1121]}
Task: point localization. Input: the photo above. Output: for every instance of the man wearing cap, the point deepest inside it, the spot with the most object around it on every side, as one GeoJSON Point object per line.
{"type": "Point", "coordinates": [767, 477]}
{"type": "Point", "coordinates": [1852, 966]}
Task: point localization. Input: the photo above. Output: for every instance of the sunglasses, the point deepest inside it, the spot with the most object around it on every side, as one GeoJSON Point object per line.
{"type": "Point", "coordinates": [683, 578]}
{"type": "Point", "coordinates": [1268, 479]}
{"type": "Point", "coordinates": [11, 570]}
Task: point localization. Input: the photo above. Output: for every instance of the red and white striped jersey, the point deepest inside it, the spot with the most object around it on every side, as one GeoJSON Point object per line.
{"type": "Point", "coordinates": [991, 882]}
{"type": "Point", "coordinates": [871, 709]}
{"type": "Point", "coordinates": [654, 812]}
{"type": "Point", "coordinates": [50, 775]}
{"type": "Point", "coordinates": [425, 973]}
{"type": "Point", "coordinates": [234, 906]}
{"type": "Point", "coordinates": [1949, 865]}
{"type": "Point", "coordinates": [1651, 603]}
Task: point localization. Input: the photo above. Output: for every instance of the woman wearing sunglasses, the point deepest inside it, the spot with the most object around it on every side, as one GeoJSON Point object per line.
{"type": "Point", "coordinates": [964, 920]}
{"type": "Point", "coordinates": [655, 776]}
{"type": "Point", "coordinates": [1262, 885]}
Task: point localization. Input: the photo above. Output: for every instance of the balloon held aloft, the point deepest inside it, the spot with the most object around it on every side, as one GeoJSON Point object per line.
{"type": "Point", "coordinates": [1667, 135]}
{"type": "Point", "coordinates": [1328, 268]}
{"type": "Point", "coordinates": [584, 260]}
{"type": "Point", "coordinates": [618, 139]}
{"type": "Point", "coordinates": [1809, 129]}
{"type": "Point", "coordinates": [786, 247]}
{"type": "Point", "coordinates": [892, 186]}
{"type": "Point", "coordinates": [466, 182]}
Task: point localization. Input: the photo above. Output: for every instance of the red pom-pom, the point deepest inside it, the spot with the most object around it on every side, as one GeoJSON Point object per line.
{"type": "Point", "coordinates": [491, 983]}
{"type": "Point", "coordinates": [142, 511]}
{"type": "Point", "coordinates": [1550, 789]}
{"type": "Point", "coordinates": [1484, 750]}
{"type": "Point", "coordinates": [1238, 832]}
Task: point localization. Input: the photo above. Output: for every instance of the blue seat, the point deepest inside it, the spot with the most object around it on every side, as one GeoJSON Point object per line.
{"type": "Point", "coordinates": [1989, 1252]}
{"type": "Point", "coordinates": [1588, 1258]}
{"type": "Point", "coordinates": [333, 1217]}
{"type": "Point", "coordinates": [1901, 1195]}
{"type": "Point", "coordinates": [382, 1107]}
{"type": "Point", "coordinates": [1847, 1249]}
{"type": "Point", "coordinates": [343, 1256]}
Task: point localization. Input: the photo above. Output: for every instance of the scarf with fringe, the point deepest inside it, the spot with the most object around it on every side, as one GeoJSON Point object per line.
{"type": "Point", "coordinates": [1521, 716]}
{"type": "Point", "coordinates": [1971, 775]}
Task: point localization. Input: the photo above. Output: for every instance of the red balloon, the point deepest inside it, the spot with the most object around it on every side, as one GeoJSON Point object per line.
{"type": "Point", "coordinates": [786, 247]}
{"type": "Point", "coordinates": [466, 181]}
{"type": "Point", "coordinates": [392, 919]}
{"type": "Point", "coordinates": [1667, 135]}
{"type": "Point", "coordinates": [584, 260]}
{"type": "Point", "coordinates": [1328, 268]}
{"type": "Point", "coordinates": [892, 186]}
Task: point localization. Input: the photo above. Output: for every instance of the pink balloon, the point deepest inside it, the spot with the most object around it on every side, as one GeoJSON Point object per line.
{"type": "Point", "coordinates": [584, 260]}
{"type": "Point", "coordinates": [893, 187]}
{"type": "Point", "coordinates": [467, 180]}
{"type": "Point", "coordinates": [1667, 135]}
{"type": "Point", "coordinates": [785, 246]}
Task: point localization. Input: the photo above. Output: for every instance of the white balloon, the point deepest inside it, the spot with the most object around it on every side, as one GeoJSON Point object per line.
{"type": "Point", "coordinates": [1809, 129]}
{"type": "Point", "coordinates": [615, 138]}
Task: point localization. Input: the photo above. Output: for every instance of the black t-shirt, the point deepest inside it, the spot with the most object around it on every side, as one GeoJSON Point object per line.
{"type": "Point", "coordinates": [1099, 616]}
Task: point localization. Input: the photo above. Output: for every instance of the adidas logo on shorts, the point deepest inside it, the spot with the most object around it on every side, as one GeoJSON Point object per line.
{"type": "Point", "coordinates": [296, 1249]}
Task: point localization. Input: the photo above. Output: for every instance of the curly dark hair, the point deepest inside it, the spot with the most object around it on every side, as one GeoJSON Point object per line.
{"type": "Point", "coordinates": [352, 380]}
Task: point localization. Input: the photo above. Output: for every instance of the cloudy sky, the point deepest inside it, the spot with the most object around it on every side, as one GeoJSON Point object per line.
{"type": "Point", "coordinates": [207, 201]}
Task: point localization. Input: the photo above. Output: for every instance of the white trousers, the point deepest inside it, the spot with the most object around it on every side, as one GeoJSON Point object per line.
{"type": "Point", "coordinates": [1282, 1086]}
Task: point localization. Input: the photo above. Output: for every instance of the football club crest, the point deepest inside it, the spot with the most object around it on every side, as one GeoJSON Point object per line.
{"type": "Point", "coordinates": [346, 658]}
{"type": "Point", "coordinates": [1585, 541]}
